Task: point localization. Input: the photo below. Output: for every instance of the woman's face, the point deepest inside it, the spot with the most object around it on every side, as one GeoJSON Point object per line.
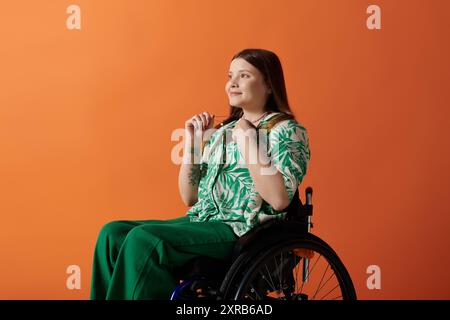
{"type": "Point", "coordinates": [246, 87]}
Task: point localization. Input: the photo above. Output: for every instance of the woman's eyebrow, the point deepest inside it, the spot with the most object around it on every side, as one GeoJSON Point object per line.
{"type": "Point", "coordinates": [240, 71]}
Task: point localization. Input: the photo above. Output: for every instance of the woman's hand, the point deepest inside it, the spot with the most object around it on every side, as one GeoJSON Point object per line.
{"type": "Point", "coordinates": [240, 129]}
{"type": "Point", "coordinates": [190, 170]}
{"type": "Point", "coordinates": [199, 123]}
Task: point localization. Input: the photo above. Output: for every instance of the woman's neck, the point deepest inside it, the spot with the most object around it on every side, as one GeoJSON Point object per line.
{"type": "Point", "coordinates": [254, 116]}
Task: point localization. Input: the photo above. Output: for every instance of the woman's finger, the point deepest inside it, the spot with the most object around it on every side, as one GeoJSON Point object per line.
{"type": "Point", "coordinates": [198, 122]}
{"type": "Point", "coordinates": [203, 119]}
{"type": "Point", "coordinates": [208, 118]}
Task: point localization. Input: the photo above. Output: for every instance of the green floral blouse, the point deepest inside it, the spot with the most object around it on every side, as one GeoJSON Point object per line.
{"type": "Point", "coordinates": [226, 190]}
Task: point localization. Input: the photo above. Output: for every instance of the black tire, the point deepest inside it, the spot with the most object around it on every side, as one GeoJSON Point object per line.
{"type": "Point", "coordinates": [233, 274]}
{"type": "Point", "coordinates": [253, 274]}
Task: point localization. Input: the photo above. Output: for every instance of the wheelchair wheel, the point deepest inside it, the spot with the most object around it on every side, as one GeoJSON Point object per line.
{"type": "Point", "coordinates": [295, 269]}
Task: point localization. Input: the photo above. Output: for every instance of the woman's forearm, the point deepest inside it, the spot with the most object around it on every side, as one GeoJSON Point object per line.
{"type": "Point", "coordinates": [267, 179]}
{"type": "Point", "coordinates": [189, 175]}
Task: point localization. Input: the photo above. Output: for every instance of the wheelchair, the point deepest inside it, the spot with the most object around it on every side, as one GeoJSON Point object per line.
{"type": "Point", "coordinates": [278, 260]}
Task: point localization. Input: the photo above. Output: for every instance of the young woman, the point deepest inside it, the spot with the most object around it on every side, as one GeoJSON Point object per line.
{"type": "Point", "coordinates": [241, 179]}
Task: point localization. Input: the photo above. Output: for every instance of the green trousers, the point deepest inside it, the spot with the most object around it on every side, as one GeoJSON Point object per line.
{"type": "Point", "coordinates": [136, 259]}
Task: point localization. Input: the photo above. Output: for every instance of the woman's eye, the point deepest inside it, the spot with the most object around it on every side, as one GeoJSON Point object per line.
{"type": "Point", "coordinates": [242, 75]}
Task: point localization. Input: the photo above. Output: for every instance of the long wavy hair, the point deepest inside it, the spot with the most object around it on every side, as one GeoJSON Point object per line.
{"type": "Point", "coordinates": [269, 65]}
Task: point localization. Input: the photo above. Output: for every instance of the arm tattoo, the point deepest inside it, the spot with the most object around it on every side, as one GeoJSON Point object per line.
{"type": "Point", "coordinates": [194, 175]}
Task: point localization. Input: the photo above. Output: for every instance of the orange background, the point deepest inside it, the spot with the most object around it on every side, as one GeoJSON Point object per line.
{"type": "Point", "coordinates": [86, 118]}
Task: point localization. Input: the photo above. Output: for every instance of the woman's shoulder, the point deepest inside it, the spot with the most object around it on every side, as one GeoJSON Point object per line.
{"type": "Point", "coordinates": [289, 130]}
{"type": "Point", "coordinates": [286, 124]}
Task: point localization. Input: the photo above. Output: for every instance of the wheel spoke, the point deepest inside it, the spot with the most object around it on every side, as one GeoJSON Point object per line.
{"type": "Point", "coordinates": [329, 291]}
{"type": "Point", "coordinates": [265, 279]}
{"type": "Point", "coordinates": [326, 281]}
{"type": "Point", "coordinates": [298, 267]}
{"type": "Point", "coordinates": [270, 277]}
{"type": "Point", "coordinates": [318, 286]}
{"type": "Point", "coordinates": [309, 272]}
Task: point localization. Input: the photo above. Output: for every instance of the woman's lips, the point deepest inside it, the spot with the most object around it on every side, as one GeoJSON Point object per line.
{"type": "Point", "coordinates": [234, 93]}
